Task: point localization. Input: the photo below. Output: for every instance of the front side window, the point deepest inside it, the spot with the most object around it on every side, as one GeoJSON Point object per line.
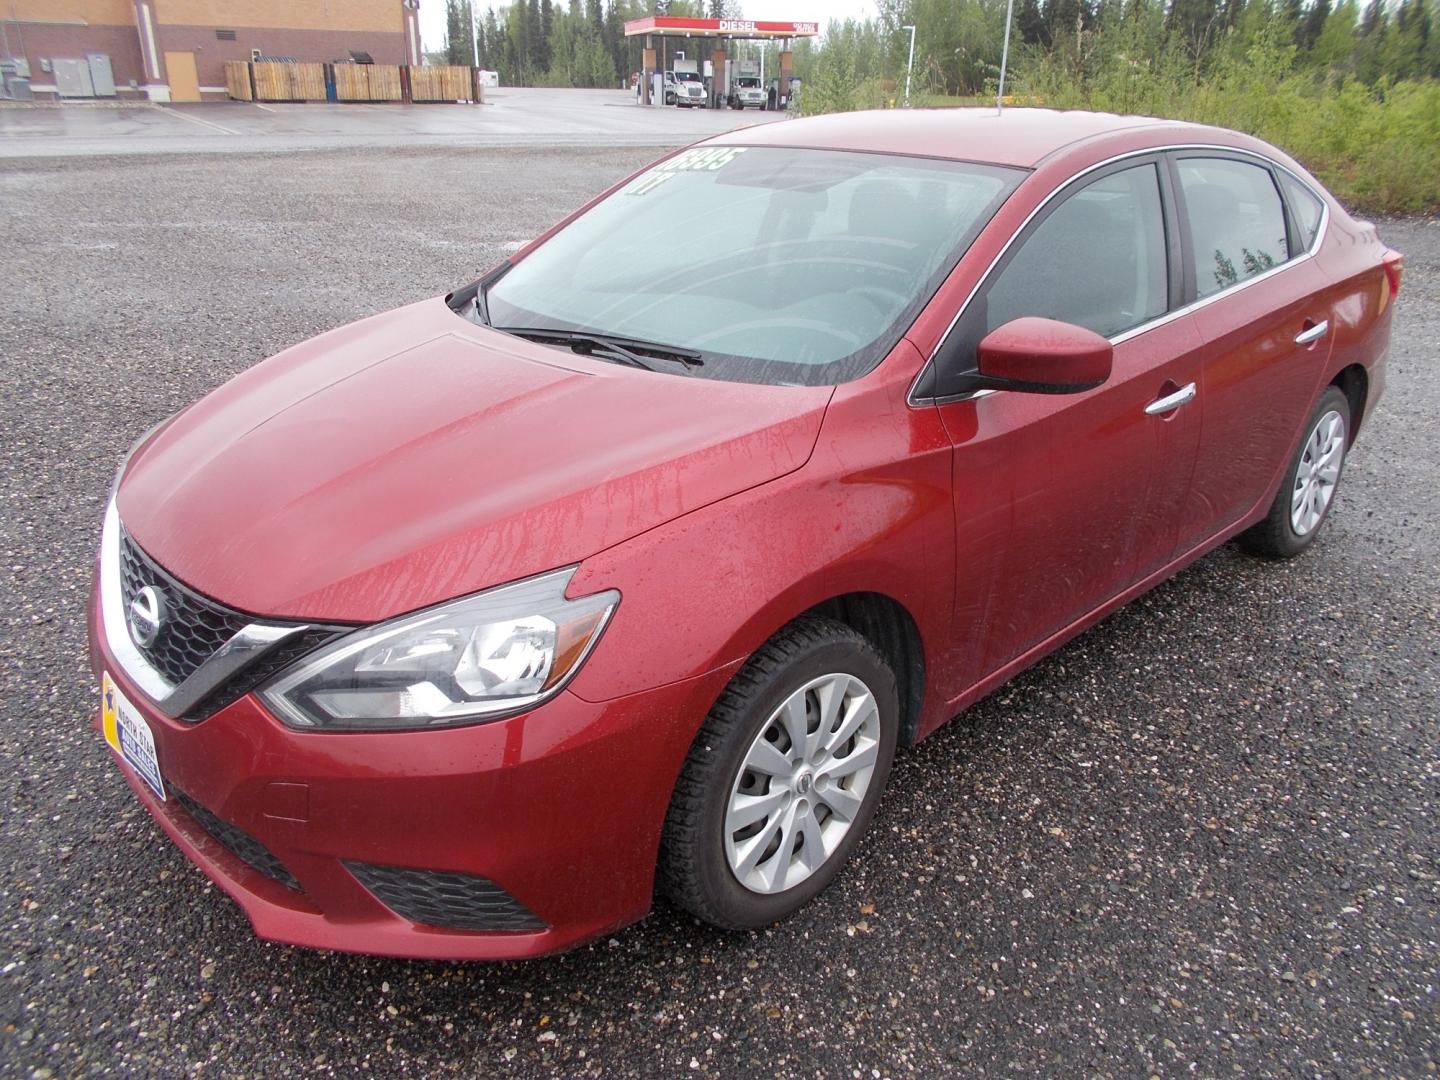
{"type": "Point", "coordinates": [1237, 224]}
{"type": "Point", "coordinates": [1097, 261]}
{"type": "Point", "coordinates": [774, 265]}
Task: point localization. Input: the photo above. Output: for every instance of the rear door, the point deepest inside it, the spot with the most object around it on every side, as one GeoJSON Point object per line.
{"type": "Point", "coordinates": [1062, 501]}
{"type": "Point", "coordinates": [1258, 306]}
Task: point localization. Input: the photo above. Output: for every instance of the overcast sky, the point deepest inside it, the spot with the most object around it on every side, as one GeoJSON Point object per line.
{"type": "Point", "coordinates": [432, 13]}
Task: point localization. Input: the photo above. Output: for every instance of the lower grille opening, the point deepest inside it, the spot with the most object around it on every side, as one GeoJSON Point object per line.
{"type": "Point", "coordinates": [238, 842]}
{"type": "Point", "coordinates": [445, 899]}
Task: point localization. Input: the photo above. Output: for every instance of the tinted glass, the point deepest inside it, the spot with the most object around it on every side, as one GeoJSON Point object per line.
{"type": "Point", "coordinates": [1304, 206]}
{"type": "Point", "coordinates": [1097, 261]}
{"type": "Point", "coordinates": [1237, 226]}
{"type": "Point", "coordinates": [777, 265]}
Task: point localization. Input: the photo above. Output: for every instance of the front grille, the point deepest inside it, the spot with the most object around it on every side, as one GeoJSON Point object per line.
{"type": "Point", "coordinates": [193, 627]}
{"type": "Point", "coordinates": [238, 842]}
{"type": "Point", "coordinates": [259, 671]}
{"type": "Point", "coordinates": [445, 899]}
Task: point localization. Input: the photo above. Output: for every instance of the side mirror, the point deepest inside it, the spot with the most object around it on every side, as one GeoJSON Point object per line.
{"type": "Point", "coordinates": [1042, 356]}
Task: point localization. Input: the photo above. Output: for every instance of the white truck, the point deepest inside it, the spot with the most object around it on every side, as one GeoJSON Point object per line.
{"type": "Point", "coordinates": [689, 87]}
{"type": "Point", "coordinates": [746, 92]}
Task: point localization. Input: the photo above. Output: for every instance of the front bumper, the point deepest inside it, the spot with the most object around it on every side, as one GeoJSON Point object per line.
{"type": "Point", "coordinates": [561, 808]}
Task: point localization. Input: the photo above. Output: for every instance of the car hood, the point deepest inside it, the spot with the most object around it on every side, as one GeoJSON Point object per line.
{"type": "Point", "coordinates": [415, 457]}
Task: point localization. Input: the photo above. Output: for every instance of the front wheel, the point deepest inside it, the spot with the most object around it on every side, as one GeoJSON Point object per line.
{"type": "Point", "coordinates": [783, 778]}
{"type": "Point", "coordinates": [1308, 490]}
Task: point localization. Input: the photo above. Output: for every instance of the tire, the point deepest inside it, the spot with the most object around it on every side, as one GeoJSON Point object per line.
{"type": "Point", "coordinates": [812, 661]}
{"type": "Point", "coordinates": [1287, 529]}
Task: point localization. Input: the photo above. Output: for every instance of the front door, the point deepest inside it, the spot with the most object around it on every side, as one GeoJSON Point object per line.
{"type": "Point", "coordinates": [1063, 501]}
{"type": "Point", "coordinates": [184, 83]}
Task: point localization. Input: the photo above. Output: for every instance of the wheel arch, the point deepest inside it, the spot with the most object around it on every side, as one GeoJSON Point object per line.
{"type": "Point", "coordinates": [888, 625]}
{"type": "Point", "coordinates": [1354, 382]}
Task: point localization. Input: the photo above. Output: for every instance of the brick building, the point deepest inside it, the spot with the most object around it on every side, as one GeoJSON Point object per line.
{"type": "Point", "coordinates": [174, 50]}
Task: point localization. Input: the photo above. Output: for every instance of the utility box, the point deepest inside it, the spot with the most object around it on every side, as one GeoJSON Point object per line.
{"type": "Point", "coordinates": [14, 80]}
{"type": "Point", "coordinates": [102, 77]}
{"type": "Point", "coordinates": [72, 78]}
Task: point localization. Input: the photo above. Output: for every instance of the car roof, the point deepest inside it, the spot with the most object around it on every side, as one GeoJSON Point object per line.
{"type": "Point", "coordinates": [1016, 136]}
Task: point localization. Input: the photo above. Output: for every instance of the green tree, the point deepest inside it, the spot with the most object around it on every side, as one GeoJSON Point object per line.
{"type": "Point", "coordinates": [1030, 25]}
{"type": "Point", "coordinates": [546, 31]}
{"type": "Point", "coordinates": [459, 43]}
{"type": "Point", "coordinates": [1312, 24]}
{"type": "Point", "coordinates": [1194, 23]}
{"type": "Point", "coordinates": [1334, 51]}
{"type": "Point", "coordinates": [493, 43]}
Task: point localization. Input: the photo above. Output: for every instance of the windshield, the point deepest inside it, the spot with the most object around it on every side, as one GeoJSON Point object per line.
{"type": "Point", "coordinates": [775, 265]}
{"type": "Point", "coordinates": [687, 76]}
{"type": "Point", "coordinates": [748, 82]}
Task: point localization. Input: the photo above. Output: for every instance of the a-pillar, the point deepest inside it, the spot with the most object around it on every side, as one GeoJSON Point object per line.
{"type": "Point", "coordinates": [647, 70]}
{"type": "Point", "coordinates": [719, 83]}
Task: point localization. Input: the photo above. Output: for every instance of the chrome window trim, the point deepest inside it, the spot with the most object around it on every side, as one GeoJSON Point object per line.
{"type": "Point", "coordinates": [1160, 320]}
{"type": "Point", "coordinates": [173, 700]}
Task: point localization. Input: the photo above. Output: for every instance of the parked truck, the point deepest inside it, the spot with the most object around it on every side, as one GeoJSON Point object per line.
{"type": "Point", "coordinates": [746, 91]}
{"type": "Point", "coordinates": [689, 86]}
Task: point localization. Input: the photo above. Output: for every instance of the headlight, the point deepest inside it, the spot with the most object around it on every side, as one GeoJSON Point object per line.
{"type": "Point", "coordinates": [495, 653]}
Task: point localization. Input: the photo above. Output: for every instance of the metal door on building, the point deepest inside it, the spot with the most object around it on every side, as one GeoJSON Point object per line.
{"type": "Point", "coordinates": [102, 77]}
{"type": "Point", "coordinates": [184, 83]}
{"type": "Point", "coordinates": [72, 78]}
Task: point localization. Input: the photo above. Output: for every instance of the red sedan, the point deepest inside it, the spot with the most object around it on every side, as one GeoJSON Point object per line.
{"type": "Point", "coordinates": [458, 631]}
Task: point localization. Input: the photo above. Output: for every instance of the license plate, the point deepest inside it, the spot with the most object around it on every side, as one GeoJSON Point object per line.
{"type": "Point", "coordinates": [129, 736]}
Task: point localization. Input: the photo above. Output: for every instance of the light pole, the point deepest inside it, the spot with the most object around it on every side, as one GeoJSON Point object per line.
{"type": "Point", "coordinates": [909, 64]}
{"type": "Point", "coordinates": [1004, 57]}
{"type": "Point", "coordinates": [474, 37]}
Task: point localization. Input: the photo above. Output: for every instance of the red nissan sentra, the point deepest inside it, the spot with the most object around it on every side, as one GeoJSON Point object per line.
{"type": "Point", "coordinates": [458, 631]}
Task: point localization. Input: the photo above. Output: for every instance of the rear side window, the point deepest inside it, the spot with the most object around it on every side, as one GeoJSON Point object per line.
{"type": "Point", "coordinates": [1306, 208]}
{"type": "Point", "coordinates": [1237, 224]}
{"type": "Point", "coordinates": [1097, 261]}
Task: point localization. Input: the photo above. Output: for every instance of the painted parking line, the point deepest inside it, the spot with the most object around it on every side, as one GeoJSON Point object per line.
{"type": "Point", "coordinates": [203, 123]}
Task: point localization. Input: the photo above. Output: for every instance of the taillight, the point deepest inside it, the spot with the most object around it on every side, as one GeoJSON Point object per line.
{"type": "Point", "coordinates": [1394, 264]}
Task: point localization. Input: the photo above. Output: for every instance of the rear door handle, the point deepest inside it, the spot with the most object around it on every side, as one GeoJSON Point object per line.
{"type": "Point", "coordinates": [1315, 333]}
{"type": "Point", "coordinates": [1169, 402]}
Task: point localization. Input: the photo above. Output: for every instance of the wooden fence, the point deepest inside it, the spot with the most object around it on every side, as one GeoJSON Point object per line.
{"type": "Point", "coordinates": [446, 82]}
{"type": "Point", "coordinates": [275, 80]}
{"type": "Point", "coordinates": [368, 82]}
{"type": "Point", "coordinates": [237, 80]}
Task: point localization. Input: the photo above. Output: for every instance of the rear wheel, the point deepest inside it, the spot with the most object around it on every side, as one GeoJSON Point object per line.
{"type": "Point", "coordinates": [1308, 490]}
{"type": "Point", "coordinates": [783, 778]}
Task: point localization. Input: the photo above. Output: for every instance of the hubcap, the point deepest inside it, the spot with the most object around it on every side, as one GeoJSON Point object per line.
{"type": "Point", "coordinates": [802, 783]}
{"type": "Point", "coordinates": [1317, 473]}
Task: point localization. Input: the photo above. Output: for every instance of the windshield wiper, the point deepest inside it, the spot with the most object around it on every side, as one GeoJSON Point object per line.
{"type": "Point", "coordinates": [633, 351]}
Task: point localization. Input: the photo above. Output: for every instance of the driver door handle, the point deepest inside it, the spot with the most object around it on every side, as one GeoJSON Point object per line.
{"type": "Point", "coordinates": [1169, 402]}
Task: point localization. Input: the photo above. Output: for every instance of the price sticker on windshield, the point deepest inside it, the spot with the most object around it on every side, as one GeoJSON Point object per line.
{"type": "Point", "coordinates": [700, 159]}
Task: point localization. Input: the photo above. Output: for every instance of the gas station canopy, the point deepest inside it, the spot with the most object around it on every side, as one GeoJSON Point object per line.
{"type": "Point", "coordinates": [732, 29]}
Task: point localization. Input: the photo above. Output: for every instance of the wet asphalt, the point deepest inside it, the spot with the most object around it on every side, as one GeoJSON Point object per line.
{"type": "Point", "coordinates": [1200, 840]}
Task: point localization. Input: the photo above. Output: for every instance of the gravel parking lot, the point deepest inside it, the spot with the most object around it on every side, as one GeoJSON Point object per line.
{"type": "Point", "coordinates": [1202, 839]}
